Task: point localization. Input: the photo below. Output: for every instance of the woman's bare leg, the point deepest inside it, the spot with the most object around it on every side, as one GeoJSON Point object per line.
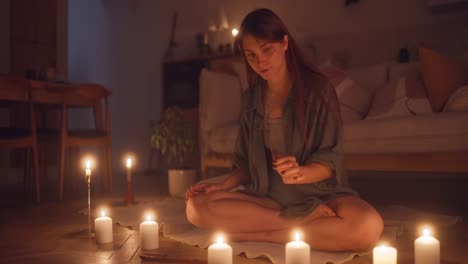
{"type": "Point", "coordinates": [240, 212]}
{"type": "Point", "coordinates": [357, 226]}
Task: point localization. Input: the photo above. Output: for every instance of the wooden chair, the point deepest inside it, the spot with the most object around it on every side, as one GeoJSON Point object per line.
{"type": "Point", "coordinates": [65, 97]}
{"type": "Point", "coordinates": [88, 96]}
{"type": "Point", "coordinates": [16, 90]}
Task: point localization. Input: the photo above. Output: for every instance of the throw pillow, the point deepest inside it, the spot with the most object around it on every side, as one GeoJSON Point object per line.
{"type": "Point", "coordinates": [404, 97]}
{"type": "Point", "coordinates": [354, 100]}
{"type": "Point", "coordinates": [458, 101]}
{"type": "Point", "coordinates": [442, 76]}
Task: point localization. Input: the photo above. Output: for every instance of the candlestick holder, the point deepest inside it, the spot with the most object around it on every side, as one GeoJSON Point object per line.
{"type": "Point", "coordinates": [87, 232]}
{"type": "Point", "coordinates": [129, 198]}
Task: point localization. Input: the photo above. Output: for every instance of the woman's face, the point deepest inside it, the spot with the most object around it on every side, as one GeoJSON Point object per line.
{"type": "Point", "coordinates": [266, 58]}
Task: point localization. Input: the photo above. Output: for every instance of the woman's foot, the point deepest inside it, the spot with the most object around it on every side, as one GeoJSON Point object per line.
{"type": "Point", "coordinates": [320, 211]}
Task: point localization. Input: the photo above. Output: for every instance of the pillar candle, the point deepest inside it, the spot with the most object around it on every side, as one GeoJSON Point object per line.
{"type": "Point", "coordinates": [103, 229]}
{"type": "Point", "coordinates": [297, 251]}
{"type": "Point", "coordinates": [149, 234]}
{"type": "Point", "coordinates": [384, 255]}
{"type": "Point", "coordinates": [220, 252]}
{"type": "Point", "coordinates": [426, 249]}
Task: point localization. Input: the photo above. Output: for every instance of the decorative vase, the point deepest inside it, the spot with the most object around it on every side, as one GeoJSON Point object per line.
{"type": "Point", "coordinates": [180, 180]}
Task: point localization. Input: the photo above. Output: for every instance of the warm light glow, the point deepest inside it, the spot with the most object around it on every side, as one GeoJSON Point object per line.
{"type": "Point", "coordinates": [148, 215]}
{"type": "Point", "coordinates": [297, 236]}
{"type": "Point", "coordinates": [235, 32]}
{"type": "Point", "coordinates": [426, 232]}
{"type": "Point", "coordinates": [103, 213]}
{"type": "Point", "coordinates": [129, 163]}
{"type": "Point", "coordinates": [219, 239]}
{"type": "Point", "coordinates": [88, 164]}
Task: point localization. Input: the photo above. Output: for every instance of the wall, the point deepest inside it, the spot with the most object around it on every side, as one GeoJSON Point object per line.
{"type": "Point", "coordinates": [120, 44]}
{"type": "Point", "coordinates": [4, 36]}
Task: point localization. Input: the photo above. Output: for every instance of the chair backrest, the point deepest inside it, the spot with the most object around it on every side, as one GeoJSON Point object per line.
{"type": "Point", "coordinates": [13, 88]}
{"type": "Point", "coordinates": [87, 95]}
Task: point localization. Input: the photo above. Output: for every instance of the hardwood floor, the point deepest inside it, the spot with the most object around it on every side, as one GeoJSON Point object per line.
{"type": "Point", "coordinates": [50, 233]}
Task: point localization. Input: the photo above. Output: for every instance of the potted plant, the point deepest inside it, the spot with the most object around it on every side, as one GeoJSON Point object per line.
{"type": "Point", "coordinates": [174, 136]}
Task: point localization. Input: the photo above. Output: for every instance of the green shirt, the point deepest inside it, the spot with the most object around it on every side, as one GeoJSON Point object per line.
{"type": "Point", "coordinates": [322, 144]}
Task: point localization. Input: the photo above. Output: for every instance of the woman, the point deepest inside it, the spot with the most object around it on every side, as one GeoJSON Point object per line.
{"type": "Point", "coordinates": [288, 155]}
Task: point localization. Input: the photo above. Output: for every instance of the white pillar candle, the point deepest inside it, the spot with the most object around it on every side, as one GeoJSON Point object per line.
{"type": "Point", "coordinates": [384, 255]}
{"type": "Point", "coordinates": [426, 249]}
{"type": "Point", "coordinates": [220, 252]}
{"type": "Point", "coordinates": [297, 251]}
{"type": "Point", "coordinates": [149, 234]}
{"type": "Point", "coordinates": [103, 229]}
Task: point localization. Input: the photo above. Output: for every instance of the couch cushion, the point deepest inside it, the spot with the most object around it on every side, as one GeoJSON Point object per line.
{"type": "Point", "coordinates": [423, 133]}
{"type": "Point", "coordinates": [442, 76]}
{"type": "Point", "coordinates": [404, 97]}
{"type": "Point", "coordinates": [224, 138]}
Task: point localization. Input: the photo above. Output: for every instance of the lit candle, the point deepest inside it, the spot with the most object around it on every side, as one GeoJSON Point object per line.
{"type": "Point", "coordinates": [103, 229]}
{"type": "Point", "coordinates": [129, 168]}
{"type": "Point", "coordinates": [234, 32]}
{"type": "Point", "coordinates": [220, 252]}
{"type": "Point", "coordinates": [426, 249]}
{"type": "Point", "coordinates": [149, 234]}
{"type": "Point", "coordinates": [88, 168]}
{"type": "Point", "coordinates": [297, 251]}
{"type": "Point", "coordinates": [384, 255]}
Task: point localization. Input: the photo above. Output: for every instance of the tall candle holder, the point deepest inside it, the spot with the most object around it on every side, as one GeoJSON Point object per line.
{"type": "Point", "coordinates": [88, 162]}
{"type": "Point", "coordinates": [129, 196]}
{"type": "Point", "coordinates": [88, 181]}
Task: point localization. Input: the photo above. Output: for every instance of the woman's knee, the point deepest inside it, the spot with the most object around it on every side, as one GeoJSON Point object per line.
{"type": "Point", "coordinates": [366, 230]}
{"type": "Point", "coordinates": [194, 208]}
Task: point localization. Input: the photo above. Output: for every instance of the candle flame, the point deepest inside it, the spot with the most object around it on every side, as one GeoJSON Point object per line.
{"type": "Point", "coordinates": [220, 239]}
{"type": "Point", "coordinates": [103, 213]}
{"type": "Point", "coordinates": [148, 217]}
{"type": "Point", "coordinates": [426, 232]}
{"type": "Point", "coordinates": [234, 32]}
{"type": "Point", "coordinates": [88, 164]}
{"type": "Point", "coordinates": [297, 236]}
{"type": "Point", "coordinates": [129, 163]}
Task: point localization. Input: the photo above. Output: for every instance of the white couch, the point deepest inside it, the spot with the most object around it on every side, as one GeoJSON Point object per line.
{"type": "Point", "coordinates": [398, 140]}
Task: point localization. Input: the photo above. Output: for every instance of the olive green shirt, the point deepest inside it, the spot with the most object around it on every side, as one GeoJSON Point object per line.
{"type": "Point", "coordinates": [322, 144]}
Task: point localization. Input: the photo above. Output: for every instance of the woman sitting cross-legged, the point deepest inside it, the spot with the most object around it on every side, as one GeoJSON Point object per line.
{"type": "Point", "coordinates": [288, 154]}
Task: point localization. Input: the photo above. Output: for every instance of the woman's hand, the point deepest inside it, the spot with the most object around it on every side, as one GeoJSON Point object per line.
{"type": "Point", "coordinates": [204, 188]}
{"type": "Point", "coordinates": [289, 169]}
{"type": "Point", "coordinates": [292, 173]}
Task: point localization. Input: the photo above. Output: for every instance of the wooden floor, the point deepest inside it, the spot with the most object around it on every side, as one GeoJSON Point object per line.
{"type": "Point", "coordinates": [51, 233]}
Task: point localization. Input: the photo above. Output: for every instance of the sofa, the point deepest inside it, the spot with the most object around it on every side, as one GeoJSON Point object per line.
{"type": "Point", "coordinates": [409, 117]}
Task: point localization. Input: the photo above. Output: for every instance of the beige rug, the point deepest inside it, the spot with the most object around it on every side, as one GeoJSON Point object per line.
{"type": "Point", "coordinates": [171, 215]}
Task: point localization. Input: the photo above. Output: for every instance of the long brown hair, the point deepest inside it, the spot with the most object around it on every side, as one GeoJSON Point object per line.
{"type": "Point", "coordinates": [266, 25]}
